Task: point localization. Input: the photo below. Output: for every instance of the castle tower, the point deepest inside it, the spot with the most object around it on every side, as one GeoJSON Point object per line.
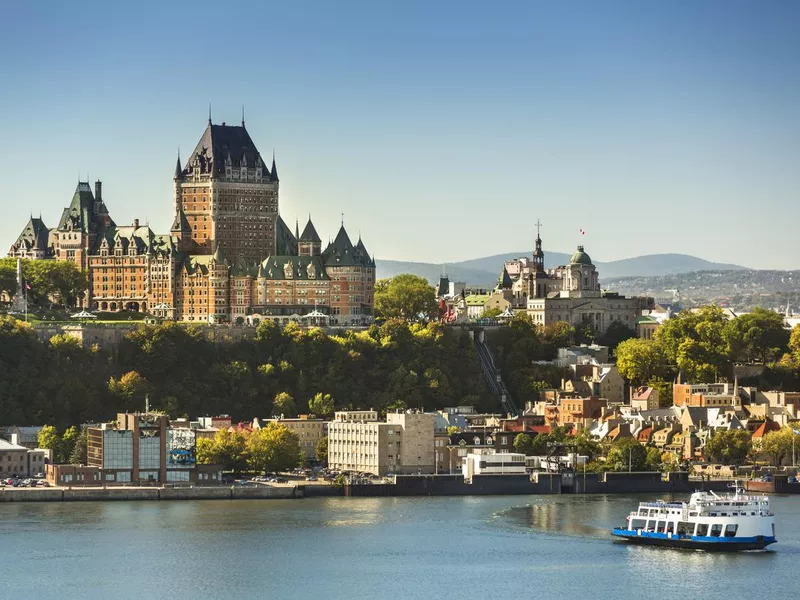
{"type": "Point", "coordinates": [228, 195]}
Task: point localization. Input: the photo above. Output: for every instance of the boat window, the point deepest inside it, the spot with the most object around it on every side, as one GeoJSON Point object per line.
{"type": "Point", "coordinates": [730, 530]}
{"type": "Point", "coordinates": [702, 529]}
{"type": "Point", "coordinates": [637, 524]}
{"type": "Point", "coordinates": [716, 529]}
{"type": "Point", "coordinates": [685, 528]}
{"type": "Point", "coordinates": [659, 526]}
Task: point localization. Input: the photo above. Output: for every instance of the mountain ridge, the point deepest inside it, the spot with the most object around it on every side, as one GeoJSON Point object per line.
{"type": "Point", "coordinates": [483, 271]}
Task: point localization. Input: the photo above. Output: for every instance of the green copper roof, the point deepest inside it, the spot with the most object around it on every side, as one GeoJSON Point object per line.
{"type": "Point", "coordinates": [293, 267]}
{"type": "Point", "coordinates": [580, 258]}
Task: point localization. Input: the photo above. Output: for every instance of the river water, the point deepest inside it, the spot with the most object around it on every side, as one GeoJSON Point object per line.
{"type": "Point", "coordinates": [414, 548]}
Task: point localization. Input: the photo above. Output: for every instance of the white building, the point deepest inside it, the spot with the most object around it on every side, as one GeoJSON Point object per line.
{"type": "Point", "coordinates": [403, 444]}
{"type": "Point", "coordinates": [493, 463]}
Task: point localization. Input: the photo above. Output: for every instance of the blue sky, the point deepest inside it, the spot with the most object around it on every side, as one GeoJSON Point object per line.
{"type": "Point", "coordinates": [441, 130]}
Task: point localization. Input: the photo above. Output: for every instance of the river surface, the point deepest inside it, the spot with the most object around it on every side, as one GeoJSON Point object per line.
{"type": "Point", "coordinates": [464, 547]}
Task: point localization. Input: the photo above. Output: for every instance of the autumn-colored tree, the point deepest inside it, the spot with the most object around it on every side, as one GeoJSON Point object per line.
{"type": "Point", "coordinates": [130, 389]}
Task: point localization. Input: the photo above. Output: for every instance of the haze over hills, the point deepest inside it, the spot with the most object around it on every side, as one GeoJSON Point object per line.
{"type": "Point", "coordinates": [483, 272]}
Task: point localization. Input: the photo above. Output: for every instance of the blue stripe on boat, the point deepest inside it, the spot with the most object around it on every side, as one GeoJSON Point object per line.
{"type": "Point", "coordinates": [629, 533]}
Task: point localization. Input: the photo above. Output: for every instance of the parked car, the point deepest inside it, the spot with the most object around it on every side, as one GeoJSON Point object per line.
{"type": "Point", "coordinates": [311, 478]}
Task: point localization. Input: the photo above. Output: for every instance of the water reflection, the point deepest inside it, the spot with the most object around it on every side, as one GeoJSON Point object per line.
{"type": "Point", "coordinates": [576, 516]}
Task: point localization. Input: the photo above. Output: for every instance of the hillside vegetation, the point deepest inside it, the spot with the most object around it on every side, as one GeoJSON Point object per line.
{"type": "Point", "coordinates": [389, 366]}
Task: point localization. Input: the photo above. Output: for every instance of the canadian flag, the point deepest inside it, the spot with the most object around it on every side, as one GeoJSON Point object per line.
{"type": "Point", "coordinates": [582, 231]}
{"type": "Point", "coordinates": [27, 286]}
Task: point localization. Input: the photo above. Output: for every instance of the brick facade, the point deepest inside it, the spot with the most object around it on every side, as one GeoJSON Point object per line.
{"type": "Point", "coordinates": [228, 253]}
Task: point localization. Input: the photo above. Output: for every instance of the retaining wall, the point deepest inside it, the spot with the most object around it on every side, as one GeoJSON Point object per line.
{"type": "Point", "coordinates": [187, 493]}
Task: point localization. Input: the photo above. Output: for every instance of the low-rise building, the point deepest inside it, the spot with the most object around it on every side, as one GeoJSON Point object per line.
{"type": "Point", "coordinates": [402, 444]}
{"type": "Point", "coordinates": [309, 432]}
{"type": "Point", "coordinates": [489, 462]}
{"type": "Point", "coordinates": [27, 437]}
{"type": "Point", "coordinates": [644, 398]}
{"type": "Point", "coordinates": [13, 460]}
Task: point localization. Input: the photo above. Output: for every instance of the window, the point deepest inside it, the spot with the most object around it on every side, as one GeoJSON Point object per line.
{"type": "Point", "coordinates": [730, 530]}
{"type": "Point", "coordinates": [716, 530]}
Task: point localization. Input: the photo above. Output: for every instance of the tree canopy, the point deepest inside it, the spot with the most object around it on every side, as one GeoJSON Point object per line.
{"type": "Point", "coordinates": [184, 373]}
{"type": "Point", "coordinates": [60, 280]}
{"type": "Point", "coordinates": [640, 361]}
{"type": "Point", "coordinates": [728, 446]}
{"type": "Point", "coordinates": [406, 297]}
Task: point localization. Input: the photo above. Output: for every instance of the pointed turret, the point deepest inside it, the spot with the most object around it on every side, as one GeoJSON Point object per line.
{"type": "Point", "coordinates": [178, 171]}
{"type": "Point", "coordinates": [274, 170]}
{"type": "Point", "coordinates": [219, 257]}
{"type": "Point", "coordinates": [341, 251]}
{"type": "Point", "coordinates": [309, 243]}
{"type": "Point", "coordinates": [180, 223]}
{"type": "Point", "coordinates": [363, 255]}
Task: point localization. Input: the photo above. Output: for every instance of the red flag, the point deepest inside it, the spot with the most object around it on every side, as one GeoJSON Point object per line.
{"type": "Point", "coordinates": [27, 286]}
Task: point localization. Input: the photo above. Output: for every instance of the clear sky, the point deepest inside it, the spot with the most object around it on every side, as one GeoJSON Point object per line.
{"type": "Point", "coordinates": [442, 130]}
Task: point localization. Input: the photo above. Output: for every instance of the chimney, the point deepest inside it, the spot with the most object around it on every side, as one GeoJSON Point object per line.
{"type": "Point", "coordinates": [136, 223]}
{"type": "Point", "coordinates": [98, 191]}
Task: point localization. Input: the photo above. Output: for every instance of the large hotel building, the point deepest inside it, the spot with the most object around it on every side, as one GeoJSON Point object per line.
{"type": "Point", "coordinates": [228, 253]}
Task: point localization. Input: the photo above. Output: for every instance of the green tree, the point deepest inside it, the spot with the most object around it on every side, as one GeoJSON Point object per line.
{"type": "Point", "coordinates": [585, 444]}
{"type": "Point", "coordinates": [696, 343]}
{"type": "Point", "coordinates": [78, 455]}
{"type": "Point", "coordinates": [778, 444]}
{"type": "Point", "coordinates": [406, 297]}
{"type": "Point", "coordinates": [283, 404]}
{"type": "Point", "coordinates": [627, 454]}
{"type": "Point", "coordinates": [759, 335]}
{"type": "Point", "coordinates": [321, 405]}
{"type": "Point", "coordinates": [68, 442]}
{"type": "Point", "coordinates": [273, 448]}
{"type": "Point", "coordinates": [227, 448]}
{"type": "Point", "coordinates": [794, 343]}
{"type": "Point", "coordinates": [491, 313]}
{"type": "Point", "coordinates": [453, 429]}
{"type": "Point", "coordinates": [523, 443]}
{"type": "Point", "coordinates": [616, 333]}
{"type": "Point", "coordinates": [584, 333]}
{"type": "Point", "coordinates": [321, 451]}
{"type": "Point", "coordinates": [8, 276]}
{"type": "Point", "coordinates": [67, 282]}
{"type": "Point", "coordinates": [728, 446]}
{"type": "Point", "coordinates": [49, 439]}
{"type": "Point", "coordinates": [640, 361]}
{"type": "Point", "coordinates": [653, 459]}
{"type": "Point", "coordinates": [558, 335]}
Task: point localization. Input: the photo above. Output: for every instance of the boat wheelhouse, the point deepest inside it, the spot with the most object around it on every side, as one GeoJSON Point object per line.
{"type": "Point", "coordinates": [709, 521]}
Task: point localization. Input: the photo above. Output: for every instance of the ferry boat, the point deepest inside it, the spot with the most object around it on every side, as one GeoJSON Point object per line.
{"type": "Point", "coordinates": [733, 521]}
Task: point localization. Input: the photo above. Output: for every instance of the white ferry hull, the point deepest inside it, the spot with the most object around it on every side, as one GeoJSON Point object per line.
{"type": "Point", "coordinates": [691, 542]}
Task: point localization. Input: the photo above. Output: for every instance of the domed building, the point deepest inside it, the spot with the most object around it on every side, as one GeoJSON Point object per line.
{"type": "Point", "coordinates": [570, 293]}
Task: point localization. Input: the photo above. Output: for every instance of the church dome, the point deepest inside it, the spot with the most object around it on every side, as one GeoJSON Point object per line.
{"type": "Point", "coordinates": [580, 258]}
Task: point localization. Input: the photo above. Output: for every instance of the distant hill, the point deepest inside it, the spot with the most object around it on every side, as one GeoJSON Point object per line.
{"type": "Point", "coordinates": [484, 271]}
